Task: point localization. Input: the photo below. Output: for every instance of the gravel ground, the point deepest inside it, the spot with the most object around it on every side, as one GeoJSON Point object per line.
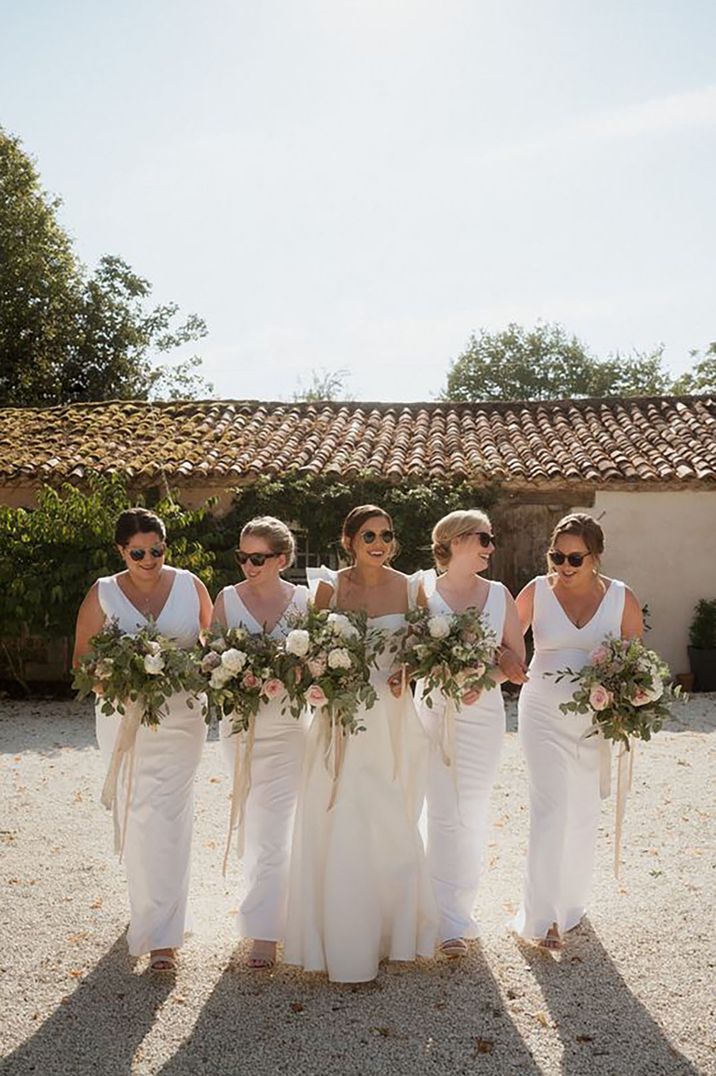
{"type": "Point", "coordinates": [632, 994]}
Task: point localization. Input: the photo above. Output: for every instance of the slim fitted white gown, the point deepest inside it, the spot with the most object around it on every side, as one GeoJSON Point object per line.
{"type": "Point", "coordinates": [458, 795]}
{"type": "Point", "coordinates": [276, 763]}
{"type": "Point", "coordinates": [563, 768]}
{"type": "Point", "coordinates": [157, 847]}
{"type": "Point", "coordinates": [360, 889]}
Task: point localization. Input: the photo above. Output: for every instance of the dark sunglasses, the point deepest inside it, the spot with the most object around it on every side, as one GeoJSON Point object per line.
{"type": "Point", "coordinates": [257, 559]}
{"type": "Point", "coordinates": [573, 559]}
{"type": "Point", "coordinates": [370, 536]}
{"type": "Point", "coordinates": [155, 551]}
{"type": "Point", "coordinates": [485, 539]}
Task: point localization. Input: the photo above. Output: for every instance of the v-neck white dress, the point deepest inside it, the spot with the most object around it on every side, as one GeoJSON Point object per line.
{"type": "Point", "coordinates": [276, 762]}
{"type": "Point", "coordinates": [458, 795]}
{"type": "Point", "coordinates": [360, 889]}
{"type": "Point", "coordinates": [563, 768]}
{"type": "Point", "coordinates": [157, 848]}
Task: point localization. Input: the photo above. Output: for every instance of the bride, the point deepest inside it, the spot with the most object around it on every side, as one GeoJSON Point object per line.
{"type": "Point", "coordinates": [360, 890]}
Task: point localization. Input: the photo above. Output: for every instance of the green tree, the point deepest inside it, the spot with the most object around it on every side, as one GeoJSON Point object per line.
{"type": "Point", "coordinates": [546, 363]}
{"type": "Point", "coordinates": [702, 378]}
{"type": "Point", "coordinates": [68, 335]}
{"type": "Point", "coordinates": [324, 385]}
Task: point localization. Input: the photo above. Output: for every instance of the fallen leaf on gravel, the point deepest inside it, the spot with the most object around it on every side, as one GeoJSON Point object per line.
{"type": "Point", "coordinates": [384, 1032]}
{"type": "Point", "coordinates": [97, 903]}
{"type": "Point", "coordinates": [296, 1006]}
{"type": "Point", "coordinates": [543, 1018]}
{"type": "Point", "coordinates": [584, 1038]}
{"type": "Point", "coordinates": [210, 844]}
{"type": "Point", "coordinates": [77, 973]}
{"type": "Point", "coordinates": [214, 780]}
{"type": "Point", "coordinates": [78, 796]}
{"type": "Point", "coordinates": [75, 939]}
{"type": "Point", "coordinates": [484, 1046]}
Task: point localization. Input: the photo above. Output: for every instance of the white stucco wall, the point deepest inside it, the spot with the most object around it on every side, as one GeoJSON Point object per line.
{"type": "Point", "coordinates": [663, 545]}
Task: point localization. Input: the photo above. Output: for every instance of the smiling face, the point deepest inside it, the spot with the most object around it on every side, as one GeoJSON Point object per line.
{"type": "Point", "coordinates": [260, 574]}
{"type": "Point", "coordinates": [372, 545]}
{"type": "Point", "coordinates": [149, 565]}
{"type": "Point", "coordinates": [467, 550]}
{"type": "Point", "coordinates": [572, 575]}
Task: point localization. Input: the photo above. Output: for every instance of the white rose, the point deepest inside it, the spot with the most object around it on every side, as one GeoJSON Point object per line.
{"type": "Point", "coordinates": [220, 676]}
{"type": "Point", "coordinates": [153, 664]}
{"type": "Point", "coordinates": [339, 658]}
{"type": "Point", "coordinates": [153, 647]}
{"type": "Point", "coordinates": [439, 627]}
{"type": "Point", "coordinates": [233, 660]}
{"type": "Point", "coordinates": [342, 626]}
{"type": "Point", "coordinates": [298, 642]}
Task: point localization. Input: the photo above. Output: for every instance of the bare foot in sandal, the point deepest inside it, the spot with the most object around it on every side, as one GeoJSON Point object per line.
{"type": "Point", "coordinates": [552, 939]}
{"type": "Point", "coordinates": [262, 956]}
{"type": "Point", "coordinates": [162, 960]}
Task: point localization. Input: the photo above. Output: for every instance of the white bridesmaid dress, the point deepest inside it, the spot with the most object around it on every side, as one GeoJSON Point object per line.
{"type": "Point", "coordinates": [360, 889]}
{"type": "Point", "coordinates": [563, 767]}
{"type": "Point", "coordinates": [458, 794]}
{"type": "Point", "coordinates": [160, 812]}
{"type": "Point", "coordinates": [276, 762]}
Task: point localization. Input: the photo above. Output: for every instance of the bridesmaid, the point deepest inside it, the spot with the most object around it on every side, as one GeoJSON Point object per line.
{"type": "Point", "coordinates": [459, 789]}
{"type": "Point", "coordinates": [264, 602]}
{"type": "Point", "coordinates": [571, 610]}
{"type": "Point", "coordinates": [161, 807]}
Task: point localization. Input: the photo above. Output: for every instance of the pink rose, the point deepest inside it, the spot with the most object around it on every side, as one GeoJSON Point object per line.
{"type": "Point", "coordinates": [599, 655]}
{"type": "Point", "coordinates": [599, 697]}
{"type": "Point", "coordinates": [250, 681]}
{"type": "Point", "coordinates": [316, 696]}
{"type": "Point", "coordinates": [273, 688]}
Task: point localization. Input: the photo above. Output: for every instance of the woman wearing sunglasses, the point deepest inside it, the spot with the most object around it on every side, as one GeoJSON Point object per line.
{"type": "Point", "coordinates": [571, 610]}
{"type": "Point", "coordinates": [360, 889]}
{"type": "Point", "coordinates": [264, 602]}
{"type": "Point", "coordinates": [161, 811]}
{"type": "Point", "coordinates": [459, 788]}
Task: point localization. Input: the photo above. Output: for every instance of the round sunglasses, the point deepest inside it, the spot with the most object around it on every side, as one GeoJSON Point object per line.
{"type": "Point", "coordinates": [257, 559]}
{"type": "Point", "coordinates": [155, 551]}
{"type": "Point", "coordinates": [370, 536]}
{"type": "Point", "coordinates": [575, 560]}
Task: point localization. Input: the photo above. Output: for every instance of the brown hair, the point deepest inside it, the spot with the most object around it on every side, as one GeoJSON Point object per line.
{"type": "Point", "coordinates": [138, 521]}
{"type": "Point", "coordinates": [275, 533]}
{"type": "Point", "coordinates": [583, 526]}
{"type": "Point", "coordinates": [355, 520]}
{"type": "Point", "coordinates": [453, 525]}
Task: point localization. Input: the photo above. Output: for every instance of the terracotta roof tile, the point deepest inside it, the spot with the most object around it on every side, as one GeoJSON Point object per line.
{"type": "Point", "coordinates": [537, 444]}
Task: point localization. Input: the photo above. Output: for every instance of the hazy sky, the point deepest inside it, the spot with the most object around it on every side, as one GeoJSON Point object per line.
{"type": "Point", "coordinates": [359, 185]}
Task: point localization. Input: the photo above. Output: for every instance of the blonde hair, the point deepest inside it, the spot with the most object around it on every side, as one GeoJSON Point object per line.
{"type": "Point", "coordinates": [452, 526]}
{"type": "Point", "coordinates": [580, 525]}
{"type": "Point", "coordinates": [275, 533]}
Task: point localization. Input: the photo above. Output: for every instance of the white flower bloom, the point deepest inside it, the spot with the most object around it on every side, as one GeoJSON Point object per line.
{"type": "Point", "coordinates": [153, 664]}
{"type": "Point", "coordinates": [103, 668]}
{"type": "Point", "coordinates": [439, 627]}
{"type": "Point", "coordinates": [342, 626]}
{"type": "Point", "coordinates": [153, 647]}
{"type": "Point", "coordinates": [339, 658]}
{"type": "Point", "coordinates": [298, 642]}
{"type": "Point", "coordinates": [233, 660]}
{"type": "Point", "coordinates": [220, 676]}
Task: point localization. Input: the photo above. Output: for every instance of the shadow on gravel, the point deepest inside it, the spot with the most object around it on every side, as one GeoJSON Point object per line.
{"type": "Point", "coordinates": [604, 1028]}
{"type": "Point", "coordinates": [99, 1027]}
{"type": "Point", "coordinates": [431, 1018]}
{"type": "Point", "coordinates": [46, 726]}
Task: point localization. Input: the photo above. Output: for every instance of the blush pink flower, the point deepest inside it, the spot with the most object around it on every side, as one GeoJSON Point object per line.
{"type": "Point", "coordinates": [316, 696]}
{"type": "Point", "coordinates": [273, 688]}
{"type": "Point", "coordinates": [599, 697]}
{"type": "Point", "coordinates": [599, 655]}
{"type": "Point", "coordinates": [250, 681]}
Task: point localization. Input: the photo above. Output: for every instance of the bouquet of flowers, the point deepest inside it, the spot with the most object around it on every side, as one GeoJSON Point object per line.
{"type": "Point", "coordinates": [241, 673]}
{"type": "Point", "coordinates": [624, 688]}
{"type": "Point", "coordinates": [452, 653]}
{"type": "Point", "coordinates": [144, 669]}
{"type": "Point", "coordinates": [329, 656]}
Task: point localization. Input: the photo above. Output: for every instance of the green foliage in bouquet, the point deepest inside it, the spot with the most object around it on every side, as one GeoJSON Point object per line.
{"type": "Point", "coordinates": [335, 652]}
{"type": "Point", "coordinates": [624, 688]}
{"type": "Point", "coordinates": [240, 670]}
{"type": "Point", "coordinates": [147, 667]}
{"type": "Point", "coordinates": [452, 653]}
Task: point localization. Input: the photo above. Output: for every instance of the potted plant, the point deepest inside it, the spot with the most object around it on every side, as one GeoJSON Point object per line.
{"type": "Point", "coordinates": [702, 648]}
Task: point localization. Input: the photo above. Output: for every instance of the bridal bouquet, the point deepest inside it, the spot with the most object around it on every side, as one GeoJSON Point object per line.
{"type": "Point", "coordinates": [624, 688]}
{"type": "Point", "coordinates": [452, 653]}
{"type": "Point", "coordinates": [331, 655]}
{"type": "Point", "coordinates": [240, 671]}
{"type": "Point", "coordinates": [142, 670]}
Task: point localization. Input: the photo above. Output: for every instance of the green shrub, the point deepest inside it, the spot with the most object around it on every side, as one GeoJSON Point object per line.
{"type": "Point", "coordinates": [702, 633]}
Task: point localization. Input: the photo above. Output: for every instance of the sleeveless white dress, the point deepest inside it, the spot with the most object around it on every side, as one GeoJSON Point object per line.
{"type": "Point", "coordinates": [276, 762]}
{"type": "Point", "coordinates": [458, 795]}
{"type": "Point", "coordinates": [563, 768]}
{"type": "Point", "coordinates": [161, 809]}
{"type": "Point", "coordinates": [360, 889]}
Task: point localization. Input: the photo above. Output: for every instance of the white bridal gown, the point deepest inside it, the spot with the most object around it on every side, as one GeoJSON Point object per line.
{"type": "Point", "coordinates": [360, 889]}
{"type": "Point", "coordinates": [161, 808]}
{"type": "Point", "coordinates": [276, 762]}
{"type": "Point", "coordinates": [563, 768]}
{"type": "Point", "coordinates": [458, 794]}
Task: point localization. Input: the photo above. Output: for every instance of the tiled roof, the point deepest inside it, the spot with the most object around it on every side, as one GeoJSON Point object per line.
{"type": "Point", "coordinates": [544, 445]}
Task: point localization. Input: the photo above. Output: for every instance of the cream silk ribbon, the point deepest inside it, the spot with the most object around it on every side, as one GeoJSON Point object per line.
{"type": "Point", "coordinates": [625, 774]}
{"type": "Point", "coordinates": [240, 791]}
{"type": "Point", "coordinates": [121, 763]}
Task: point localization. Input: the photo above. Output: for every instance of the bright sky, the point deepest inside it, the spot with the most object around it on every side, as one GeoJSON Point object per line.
{"type": "Point", "coordinates": [359, 184]}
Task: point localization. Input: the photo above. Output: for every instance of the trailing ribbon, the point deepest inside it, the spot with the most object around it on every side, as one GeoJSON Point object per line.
{"type": "Point", "coordinates": [625, 774]}
{"type": "Point", "coordinates": [122, 763]}
{"type": "Point", "coordinates": [395, 721]}
{"type": "Point", "coordinates": [240, 791]}
{"type": "Point", "coordinates": [334, 756]}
